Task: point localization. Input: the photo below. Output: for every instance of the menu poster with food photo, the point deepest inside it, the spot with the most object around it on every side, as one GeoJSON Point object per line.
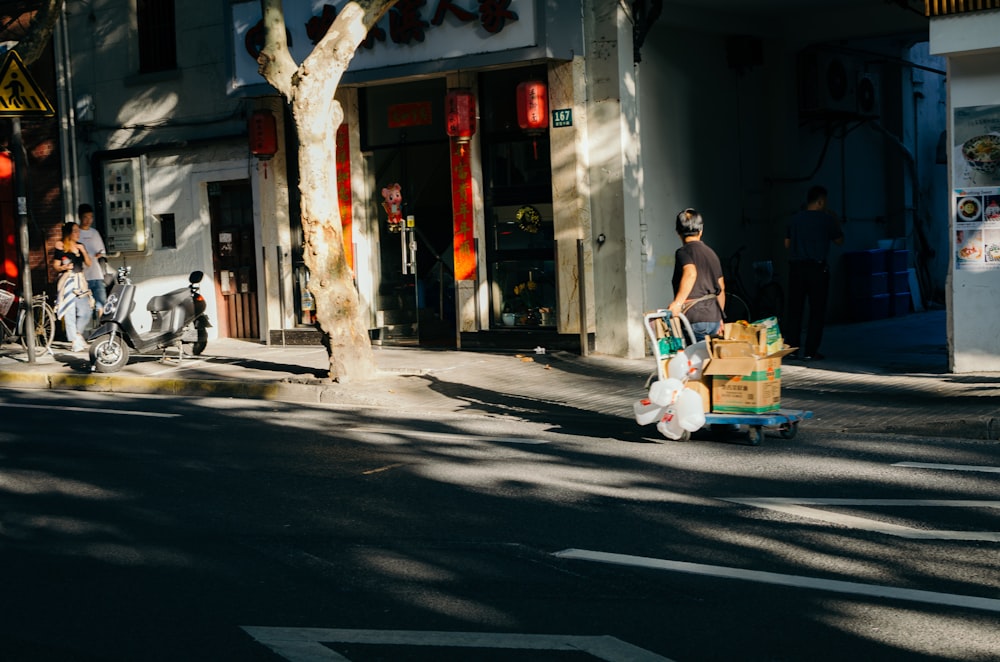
{"type": "Point", "coordinates": [969, 249]}
{"type": "Point", "coordinates": [976, 157]}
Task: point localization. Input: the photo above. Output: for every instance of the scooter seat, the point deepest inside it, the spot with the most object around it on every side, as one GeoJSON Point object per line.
{"type": "Point", "coordinates": [168, 301]}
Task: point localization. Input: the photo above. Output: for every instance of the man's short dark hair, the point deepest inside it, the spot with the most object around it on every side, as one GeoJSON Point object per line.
{"type": "Point", "coordinates": [689, 223]}
{"type": "Point", "coordinates": [815, 194]}
{"type": "Point", "coordinates": [84, 209]}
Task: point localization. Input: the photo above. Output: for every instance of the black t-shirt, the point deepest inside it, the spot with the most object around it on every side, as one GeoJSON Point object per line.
{"type": "Point", "coordinates": [77, 259]}
{"type": "Point", "coordinates": [709, 269]}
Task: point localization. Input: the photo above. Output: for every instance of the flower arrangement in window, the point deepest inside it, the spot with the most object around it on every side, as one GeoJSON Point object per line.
{"type": "Point", "coordinates": [528, 219]}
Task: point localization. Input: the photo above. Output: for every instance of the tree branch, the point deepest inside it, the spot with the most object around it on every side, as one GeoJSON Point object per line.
{"type": "Point", "coordinates": [37, 35]}
{"type": "Point", "coordinates": [275, 62]}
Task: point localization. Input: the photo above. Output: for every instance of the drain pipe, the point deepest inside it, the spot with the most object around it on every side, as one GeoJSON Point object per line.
{"type": "Point", "coordinates": [67, 122]}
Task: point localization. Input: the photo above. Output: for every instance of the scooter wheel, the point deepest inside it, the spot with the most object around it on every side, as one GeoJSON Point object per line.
{"type": "Point", "coordinates": [199, 347]}
{"type": "Point", "coordinates": [108, 353]}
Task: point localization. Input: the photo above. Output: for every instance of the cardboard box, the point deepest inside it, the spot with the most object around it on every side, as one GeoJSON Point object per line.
{"type": "Point", "coordinates": [702, 387]}
{"type": "Point", "coordinates": [741, 382]}
{"type": "Point", "coordinates": [763, 335]}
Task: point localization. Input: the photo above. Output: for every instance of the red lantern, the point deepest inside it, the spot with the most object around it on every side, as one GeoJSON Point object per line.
{"type": "Point", "coordinates": [263, 134]}
{"type": "Point", "coordinates": [532, 105]}
{"type": "Point", "coordinates": [460, 114]}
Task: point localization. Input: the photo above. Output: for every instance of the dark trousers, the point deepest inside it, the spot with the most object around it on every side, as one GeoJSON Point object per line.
{"type": "Point", "coordinates": [807, 281]}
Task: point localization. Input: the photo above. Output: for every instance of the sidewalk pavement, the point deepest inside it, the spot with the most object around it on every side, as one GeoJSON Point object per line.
{"type": "Point", "coordinates": [882, 376]}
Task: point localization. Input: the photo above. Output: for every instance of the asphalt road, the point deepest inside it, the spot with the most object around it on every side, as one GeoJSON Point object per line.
{"type": "Point", "coordinates": [146, 528]}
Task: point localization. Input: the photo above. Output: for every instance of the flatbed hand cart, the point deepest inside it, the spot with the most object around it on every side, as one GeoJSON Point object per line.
{"type": "Point", "coordinates": [786, 421]}
{"type": "Point", "coordinates": [667, 336]}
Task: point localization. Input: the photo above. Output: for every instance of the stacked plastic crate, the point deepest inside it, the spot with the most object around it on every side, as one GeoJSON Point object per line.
{"type": "Point", "coordinates": [897, 267]}
{"type": "Point", "coordinates": [868, 284]}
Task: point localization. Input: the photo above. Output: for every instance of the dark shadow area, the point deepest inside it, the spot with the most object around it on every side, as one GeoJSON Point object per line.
{"type": "Point", "coordinates": [129, 535]}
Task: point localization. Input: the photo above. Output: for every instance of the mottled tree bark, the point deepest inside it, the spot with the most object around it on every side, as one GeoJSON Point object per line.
{"type": "Point", "coordinates": [309, 88]}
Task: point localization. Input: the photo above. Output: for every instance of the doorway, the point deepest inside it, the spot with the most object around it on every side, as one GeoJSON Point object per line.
{"type": "Point", "coordinates": [405, 143]}
{"type": "Point", "coordinates": [234, 258]}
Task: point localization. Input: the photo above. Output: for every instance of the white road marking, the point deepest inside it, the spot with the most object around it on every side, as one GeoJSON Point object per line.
{"type": "Point", "coordinates": [798, 508]}
{"type": "Point", "coordinates": [90, 410]}
{"type": "Point", "coordinates": [794, 581]}
{"type": "Point", "coordinates": [948, 467]}
{"type": "Point", "coordinates": [306, 644]}
{"type": "Point", "coordinates": [448, 436]}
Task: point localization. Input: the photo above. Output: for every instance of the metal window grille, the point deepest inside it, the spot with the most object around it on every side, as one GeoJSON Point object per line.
{"type": "Point", "coordinates": [157, 35]}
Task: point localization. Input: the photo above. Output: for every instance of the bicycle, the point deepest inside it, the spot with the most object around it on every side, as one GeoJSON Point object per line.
{"type": "Point", "coordinates": [769, 300]}
{"type": "Point", "coordinates": [12, 320]}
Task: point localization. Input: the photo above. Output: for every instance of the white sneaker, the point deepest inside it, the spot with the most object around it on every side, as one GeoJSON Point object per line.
{"type": "Point", "coordinates": [79, 344]}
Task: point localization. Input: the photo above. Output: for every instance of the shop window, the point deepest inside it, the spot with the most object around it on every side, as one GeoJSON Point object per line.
{"type": "Point", "coordinates": [520, 247]}
{"type": "Point", "coordinates": [157, 33]}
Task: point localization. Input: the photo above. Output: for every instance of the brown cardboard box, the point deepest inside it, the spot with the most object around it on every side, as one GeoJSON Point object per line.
{"type": "Point", "coordinates": [764, 336]}
{"type": "Point", "coordinates": [702, 387]}
{"type": "Point", "coordinates": [743, 384]}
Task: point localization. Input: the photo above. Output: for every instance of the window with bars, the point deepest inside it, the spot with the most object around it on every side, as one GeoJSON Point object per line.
{"type": "Point", "coordinates": [157, 35]}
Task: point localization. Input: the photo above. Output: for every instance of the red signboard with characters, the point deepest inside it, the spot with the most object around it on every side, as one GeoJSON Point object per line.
{"type": "Point", "coordinates": [461, 195]}
{"type": "Point", "coordinates": [344, 198]}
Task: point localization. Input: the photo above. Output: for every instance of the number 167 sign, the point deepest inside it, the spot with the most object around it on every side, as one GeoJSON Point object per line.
{"type": "Point", "coordinates": [562, 117]}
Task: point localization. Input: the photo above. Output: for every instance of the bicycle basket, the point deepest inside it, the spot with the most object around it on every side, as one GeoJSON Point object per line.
{"type": "Point", "coordinates": [7, 300]}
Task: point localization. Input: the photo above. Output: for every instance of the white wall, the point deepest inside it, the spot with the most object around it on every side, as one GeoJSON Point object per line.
{"type": "Point", "coordinates": [972, 44]}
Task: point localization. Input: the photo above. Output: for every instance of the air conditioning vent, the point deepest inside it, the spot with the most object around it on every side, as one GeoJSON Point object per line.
{"type": "Point", "coordinates": [868, 95]}
{"type": "Point", "coordinates": [826, 84]}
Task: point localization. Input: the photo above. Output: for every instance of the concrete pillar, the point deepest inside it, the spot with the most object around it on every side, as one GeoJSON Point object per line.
{"type": "Point", "coordinates": [615, 176]}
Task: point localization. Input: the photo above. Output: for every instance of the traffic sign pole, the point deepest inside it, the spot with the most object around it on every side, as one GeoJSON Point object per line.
{"type": "Point", "coordinates": [22, 217]}
{"type": "Point", "coordinates": [20, 95]}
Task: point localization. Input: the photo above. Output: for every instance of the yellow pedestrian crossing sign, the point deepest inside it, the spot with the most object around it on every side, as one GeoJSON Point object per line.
{"type": "Point", "coordinates": [19, 95]}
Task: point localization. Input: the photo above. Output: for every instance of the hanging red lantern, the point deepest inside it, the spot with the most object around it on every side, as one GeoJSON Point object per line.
{"type": "Point", "coordinates": [532, 105]}
{"type": "Point", "coordinates": [460, 114]}
{"type": "Point", "coordinates": [263, 134]}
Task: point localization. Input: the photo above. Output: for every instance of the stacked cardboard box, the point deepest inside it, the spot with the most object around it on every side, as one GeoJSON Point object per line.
{"type": "Point", "coordinates": [745, 369]}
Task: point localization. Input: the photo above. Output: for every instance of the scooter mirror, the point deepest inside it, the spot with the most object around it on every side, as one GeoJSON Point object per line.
{"type": "Point", "coordinates": [195, 277]}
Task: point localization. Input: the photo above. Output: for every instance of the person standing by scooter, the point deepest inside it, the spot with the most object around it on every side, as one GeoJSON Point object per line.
{"type": "Point", "coordinates": [91, 239]}
{"type": "Point", "coordinates": [74, 303]}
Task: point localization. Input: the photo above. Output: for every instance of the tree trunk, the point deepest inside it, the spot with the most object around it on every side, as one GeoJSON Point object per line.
{"type": "Point", "coordinates": [311, 88]}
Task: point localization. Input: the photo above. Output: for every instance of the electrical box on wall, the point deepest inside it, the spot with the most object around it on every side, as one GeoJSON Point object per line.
{"type": "Point", "coordinates": [125, 226]}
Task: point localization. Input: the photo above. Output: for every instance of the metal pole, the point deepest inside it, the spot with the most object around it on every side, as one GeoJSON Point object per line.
{"type": "Point", "coordinates": [281, 293]}
{"type": "Point", "coordinates": [20, 167]}
{"type": "Point", "coordinates": [581, 279]}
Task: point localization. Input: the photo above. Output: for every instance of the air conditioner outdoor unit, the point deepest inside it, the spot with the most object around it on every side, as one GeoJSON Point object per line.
{"type": "Point", "coordinates": [826, 83]}
{"type": "Point", "coordinates": [868, 94]}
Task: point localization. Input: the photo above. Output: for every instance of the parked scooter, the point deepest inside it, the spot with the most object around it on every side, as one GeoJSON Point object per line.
{"type": "Point", "coordinates": [179, 320]}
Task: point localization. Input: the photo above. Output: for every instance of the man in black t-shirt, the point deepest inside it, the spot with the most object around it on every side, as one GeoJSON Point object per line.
{"type": "Point", "coordinates": [808, 238]}
{"type": "Point", "coordinates": [699, 288]}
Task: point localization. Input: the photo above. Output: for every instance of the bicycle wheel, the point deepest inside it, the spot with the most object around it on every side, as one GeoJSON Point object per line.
{"type": "Point", "coordinates": [45, 325]}
{"type": "Point", "coordinates": [736, 308]}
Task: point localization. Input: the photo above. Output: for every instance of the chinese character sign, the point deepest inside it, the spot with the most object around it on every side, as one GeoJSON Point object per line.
{"type": "Point", "coordinates": [461, 194]}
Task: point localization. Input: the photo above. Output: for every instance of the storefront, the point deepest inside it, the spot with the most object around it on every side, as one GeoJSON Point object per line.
{"type": "Point", "coordinates": [445, 179]}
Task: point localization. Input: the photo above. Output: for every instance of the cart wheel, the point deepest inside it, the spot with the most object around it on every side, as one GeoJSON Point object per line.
{"type": "Point", "coordinates": [789, 430]}
{"type": "Point", "coordinates": [755, 434]}
{"type": "Point", "coordinates": [685, 436]}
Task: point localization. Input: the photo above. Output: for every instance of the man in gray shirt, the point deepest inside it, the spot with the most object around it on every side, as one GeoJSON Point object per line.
{"type": "Point", "coordinates": [91, 239]}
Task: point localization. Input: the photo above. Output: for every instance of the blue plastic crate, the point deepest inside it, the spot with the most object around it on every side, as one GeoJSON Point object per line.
{"type": "Point", "coordinates": [896, 261]}
{"type": "Point", "coordinates": [899, 282]}
{"type": "Point", "coordinates": [867, 285]}
{"type": "Point", "coordinates": [864, 263]}
{"type": "Point", "coordinates": [899, 304]}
